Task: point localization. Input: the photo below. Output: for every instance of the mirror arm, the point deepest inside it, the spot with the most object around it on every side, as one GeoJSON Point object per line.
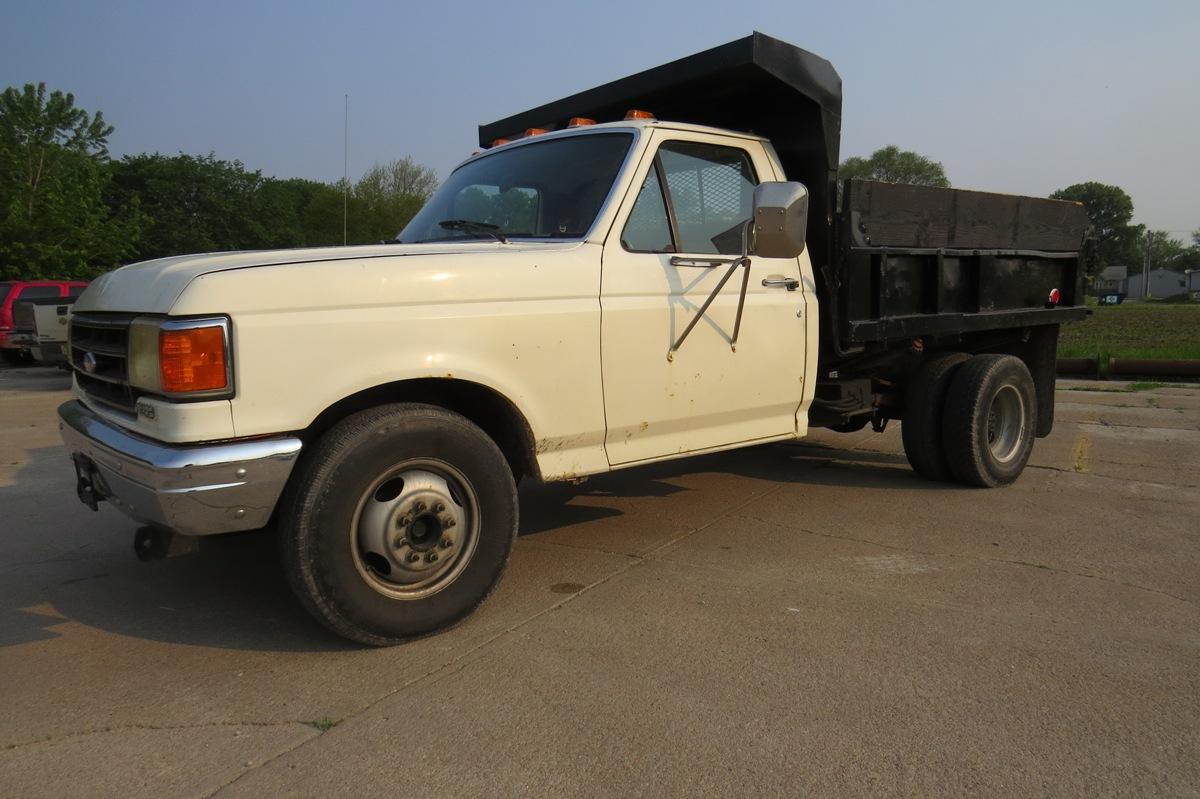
{"type": "Point", "coordinates": [743, 261]}
{"type": "Point", "coordinates": [737, 325]}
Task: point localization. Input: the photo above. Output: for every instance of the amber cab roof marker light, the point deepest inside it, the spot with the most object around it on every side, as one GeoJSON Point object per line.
{"type": "Point", "coordinates": [579, 122]}
{"type": "Point", "coordinates": [535, 131]}
{"type": "Point", "coordinates": [634, 113]}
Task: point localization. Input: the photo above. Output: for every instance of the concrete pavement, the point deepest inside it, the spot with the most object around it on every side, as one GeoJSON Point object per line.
{"type": "Point", "coordinates": [806, 618]}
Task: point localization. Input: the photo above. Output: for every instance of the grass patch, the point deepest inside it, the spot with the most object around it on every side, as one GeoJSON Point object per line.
{"type": "Point", "coordinates": [1140, 385]}
{"type": "Point", "coordinates": [324, 724]}
{"type": "Point", "coordinates": [1134, 330]}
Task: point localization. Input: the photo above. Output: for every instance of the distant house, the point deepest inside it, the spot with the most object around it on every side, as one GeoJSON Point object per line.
{"type": "Point", "coordinates": [1111, 280]}
{"type": "Point", "coordinates": [1193, 283]}
{"type": "Point", "coordinates": [1163, 283]}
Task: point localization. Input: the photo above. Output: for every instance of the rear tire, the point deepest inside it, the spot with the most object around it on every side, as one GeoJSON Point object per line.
{"type": "Point", "coordinates": [990, 419]}
{"type": "Point", "coordinates": [924, 404]}
{"type": "Point", "coordinates": [398, 523]}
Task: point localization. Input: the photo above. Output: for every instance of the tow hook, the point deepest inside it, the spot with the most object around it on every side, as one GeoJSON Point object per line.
{"type": "Point", "coordinates": [153, 543]}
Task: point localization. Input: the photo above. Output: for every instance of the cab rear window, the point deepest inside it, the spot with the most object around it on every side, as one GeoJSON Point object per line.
{"type": "Point", "coordinates": [4, 289]}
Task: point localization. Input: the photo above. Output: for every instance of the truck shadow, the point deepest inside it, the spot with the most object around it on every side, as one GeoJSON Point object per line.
{"type": "Point", "coordinates": [549, 507]}
{"type": "Point", "coordinates": [64, 565]}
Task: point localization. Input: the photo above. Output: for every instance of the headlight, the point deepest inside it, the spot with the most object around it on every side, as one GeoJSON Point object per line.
{"type": "Point", "coordinates": [181, 358]}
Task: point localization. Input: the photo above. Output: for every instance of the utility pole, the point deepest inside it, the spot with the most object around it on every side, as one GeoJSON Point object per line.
{"type": "Point", "coordinates": [346, 170]}
{"type": "Point", "coordinates": [1146, 265]}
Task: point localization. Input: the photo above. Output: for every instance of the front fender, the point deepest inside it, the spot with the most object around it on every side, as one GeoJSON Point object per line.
{"type": "Point", "coordinates": [297, 353]}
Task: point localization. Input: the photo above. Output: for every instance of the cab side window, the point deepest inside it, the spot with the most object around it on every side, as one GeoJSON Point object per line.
{"type": "Point", "coordinates": [648, 228]}
{"type": "Point", "coordinates": [708, 200]}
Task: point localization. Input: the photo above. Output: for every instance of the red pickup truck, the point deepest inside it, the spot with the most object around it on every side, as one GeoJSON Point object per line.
{"type": "Point", "coordinates": [16, 290]}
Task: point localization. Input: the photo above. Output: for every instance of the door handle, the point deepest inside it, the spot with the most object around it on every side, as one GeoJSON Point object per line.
{"type": "Point", "coordinates": [778, 281]}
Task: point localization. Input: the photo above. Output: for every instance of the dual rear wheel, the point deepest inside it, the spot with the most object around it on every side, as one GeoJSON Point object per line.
{"type": "Point", "coordinates": [970, 419]}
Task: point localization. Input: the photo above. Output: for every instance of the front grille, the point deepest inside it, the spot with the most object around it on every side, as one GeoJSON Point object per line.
{"type": "Point", "coordinates": [100, 357]}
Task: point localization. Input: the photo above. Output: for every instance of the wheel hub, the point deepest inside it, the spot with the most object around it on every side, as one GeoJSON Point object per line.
{"type": "Point", "coordinates": [1006, 423]}
{"type": "Point", "coordinates": [414, 531]}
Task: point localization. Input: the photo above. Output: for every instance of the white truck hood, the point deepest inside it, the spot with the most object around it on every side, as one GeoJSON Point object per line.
{"type": "Point", "coordinates": [154, 286]}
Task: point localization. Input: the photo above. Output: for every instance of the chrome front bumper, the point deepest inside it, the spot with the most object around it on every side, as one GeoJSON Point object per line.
{"type": "Point", "coordinates": [192, 490]}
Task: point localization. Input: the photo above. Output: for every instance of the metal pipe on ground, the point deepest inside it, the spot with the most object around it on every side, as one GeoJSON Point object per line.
{"type": "Point", "coordinates": [1154, 367]}
{"type": "Point", "coordinates": [1086, 367]}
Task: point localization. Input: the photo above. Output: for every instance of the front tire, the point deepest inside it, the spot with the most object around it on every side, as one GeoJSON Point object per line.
{"type": "Point", "coordinates": [398, 523]}
{"type": "Point", "coordinates": [990, 419]}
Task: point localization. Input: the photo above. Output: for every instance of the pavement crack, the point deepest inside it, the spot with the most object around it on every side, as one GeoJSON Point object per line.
{"type": "Point", "coordinates": [154, 727]}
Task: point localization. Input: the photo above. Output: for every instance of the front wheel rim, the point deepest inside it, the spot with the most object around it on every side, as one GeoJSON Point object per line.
{"type": "Point", "coordinates": [415, 529]}
{"type": "Point", "coordinates": [1006, 423]}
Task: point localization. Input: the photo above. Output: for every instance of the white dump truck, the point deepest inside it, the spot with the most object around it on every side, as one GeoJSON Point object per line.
{"type": "Point", "coordinates": [651, 269]}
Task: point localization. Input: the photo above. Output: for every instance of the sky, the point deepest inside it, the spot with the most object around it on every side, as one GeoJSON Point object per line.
{"type": "Point", "coordinates": [1012, 96]}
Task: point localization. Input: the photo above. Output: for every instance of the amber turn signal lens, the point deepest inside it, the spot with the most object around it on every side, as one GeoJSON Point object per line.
{"type": "Point", "coordinates": [633, 113]}
{"type": "Point", "coordinates": [192, 359]}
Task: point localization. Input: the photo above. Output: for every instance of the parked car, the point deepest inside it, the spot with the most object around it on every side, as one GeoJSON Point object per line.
{"type": "Point", "coordinates": [648, 270]}
{"type": "Point", "coordinates": [13, 291]}
{"type": "Point", "coordinates": [41, 325]}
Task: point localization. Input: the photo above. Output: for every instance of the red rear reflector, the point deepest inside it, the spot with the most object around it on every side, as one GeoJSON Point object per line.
{"type": "Point", "coordinates": [633, 113]}
{"type": "Point", "coordinates": [1055, 296]}
{"type": "Point", "coordinates": [579, 122]}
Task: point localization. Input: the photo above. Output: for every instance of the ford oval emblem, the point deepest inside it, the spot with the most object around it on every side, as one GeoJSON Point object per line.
{"type": "Point", "coordinates": [89, 363]}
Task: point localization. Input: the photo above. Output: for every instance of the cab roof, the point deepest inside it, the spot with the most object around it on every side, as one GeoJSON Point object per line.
{"type": "Point", "coordinates": [757, 85]}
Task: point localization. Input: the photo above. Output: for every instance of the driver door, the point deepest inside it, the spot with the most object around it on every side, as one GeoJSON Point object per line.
{"type": "Point", "coordinates": [672, 242]}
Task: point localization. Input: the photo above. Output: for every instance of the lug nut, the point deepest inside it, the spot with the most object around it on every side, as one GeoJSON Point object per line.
{"type": "Point", "coordinates": [400, 541]}
{"type": "Point", "coordinates": [431, 557]}
{"type": "Point", "coordinates": [446, 544]}
{"type": "Point", "coordinates": [413, 557]}
{"type": "Point", "coordinates": [448, 523]}
{"type": "Point", "coordinates": [438, 508]}
{"type": "Point", "coordinates": [420, 506]}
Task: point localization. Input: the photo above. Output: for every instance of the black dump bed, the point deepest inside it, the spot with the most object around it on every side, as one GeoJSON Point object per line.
{"type": "Point", "coordinates": [902, 261]}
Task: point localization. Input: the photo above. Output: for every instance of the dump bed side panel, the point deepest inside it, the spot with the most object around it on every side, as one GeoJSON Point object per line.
{"type": "Point", "coordinates": [917, 261]}
{"type": "Point", "coordinates": [897, 215]}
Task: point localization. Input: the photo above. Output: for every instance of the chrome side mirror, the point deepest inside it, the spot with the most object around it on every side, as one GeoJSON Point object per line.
{"type": "Point", "coordinates": [780, 219]}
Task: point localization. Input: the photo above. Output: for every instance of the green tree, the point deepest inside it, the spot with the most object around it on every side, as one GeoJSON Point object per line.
{"type": "Point", "coordinates": [893, 165]}
{"type": "Point", "coordinates": [194, 204]}
{"type": "Point", "coordinates": [1110, 210]}
{"type": "Point", "coordinates": [53, 173]}
{"type": "Point", "coordinates": [387, 196]}
{"type": "Point", "coordinates": [1168, 252]}
{"type": "Point", "coordinates": [299, 213]}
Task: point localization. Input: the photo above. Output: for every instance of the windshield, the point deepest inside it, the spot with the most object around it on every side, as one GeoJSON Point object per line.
{"type": "Point", "coordinates": [548, 190]}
